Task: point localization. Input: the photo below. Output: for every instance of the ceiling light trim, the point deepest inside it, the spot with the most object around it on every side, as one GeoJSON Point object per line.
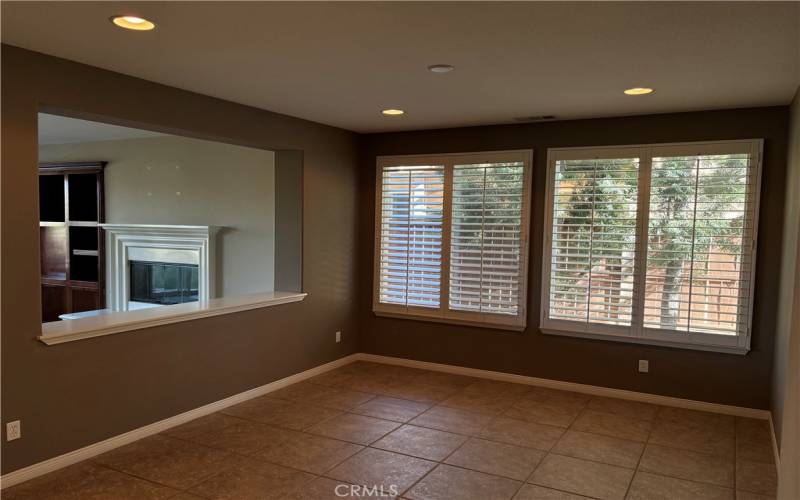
{"type": "Point", "coordinates": [133, 23]}
{"type": "Point", "coordinates": [639, 91]}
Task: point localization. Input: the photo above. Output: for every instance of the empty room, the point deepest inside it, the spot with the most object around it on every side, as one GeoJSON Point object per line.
{"type": "Point", "coordinates": [415, 250]}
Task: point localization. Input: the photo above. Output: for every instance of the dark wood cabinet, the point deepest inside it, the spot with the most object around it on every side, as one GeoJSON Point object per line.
{"type": "Point", "coordinates": [71, 209]}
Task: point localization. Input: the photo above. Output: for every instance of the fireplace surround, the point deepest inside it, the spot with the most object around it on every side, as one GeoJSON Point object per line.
{"type": "Point", "coordinates": [186, 253]}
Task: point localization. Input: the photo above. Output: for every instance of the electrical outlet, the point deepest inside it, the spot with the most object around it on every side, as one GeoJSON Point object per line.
{"type": "Point", "coordinates": [13, 430]}
{"type": "Point", "coordinates": [338, 337]}
{"type": "Point", "coordinates": [644, 366]}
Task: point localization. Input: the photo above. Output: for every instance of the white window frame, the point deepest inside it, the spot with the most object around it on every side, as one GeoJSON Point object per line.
{"type": "Point", "coordinates": [637, 333]}
{"type": "Point", "coordinates": [443, 314]}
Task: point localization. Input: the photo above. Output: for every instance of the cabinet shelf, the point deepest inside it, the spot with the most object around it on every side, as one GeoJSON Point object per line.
{"type": "Point", "coordinates": [76, 251]}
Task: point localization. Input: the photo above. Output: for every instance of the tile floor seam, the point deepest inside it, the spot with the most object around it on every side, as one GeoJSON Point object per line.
{"type": "Point", "coordinates": [433, 469]}
{"type": "Point", "coordinates": [591, 460]}
{"type": "Point", "coordinates": [528, 480]}
{"type": "Point", "coordinates": [385, 451]}
{"type": "Point", "coordinates": [612, 437]}
{"type": "Point", "coordinates": [155, 483]}
{"type": "Point", "coordinates": [695, 481]}
{"type": "Point", "coordinates": [263, 460]}
{"type": "Point", "coordinates": [441, 462]}
{"type": "Point", "coordinates": [738, 488]}
{"type": "Point", "coordinates": [663, 474]}
{"type": "Point", "coordinates": [704, 453]}
{"type": "Point", "coordinates": [530, 474]}
{"type": "Point", "coordinates": [260, 460]}
{"type": "Point", "coordinates": [644, 449]}
{"type": "Point", "coordinates": [410, 422]}
{"type": "Point", "coordinates": [494, 440]}
{"type": "Point", "coordinates": [227, 450]}
{"type": "Point", "coordinates": [587, 409]}
{"type": "Point", "coordinates": [183, 490]}
{"type": "Point", "coordinates": [319, 405]}
{"type": "Point", "coordinates": [281, 426]}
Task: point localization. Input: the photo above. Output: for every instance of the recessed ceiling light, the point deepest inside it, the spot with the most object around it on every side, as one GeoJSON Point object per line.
{"type": "Point", "coordinates": [133, 23]}
{"type": "Point", "coordinates": [639, 91]}
{"type": "Point", "coordinates": [393, 112]}
{"type": "Point", "coordinates": [440, 68]}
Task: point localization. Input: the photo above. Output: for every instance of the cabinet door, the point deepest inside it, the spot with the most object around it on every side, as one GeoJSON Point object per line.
{"type": "Point", "coordinates": [54, 302]}
{"type": "Point", "coordinates": [84, 300]}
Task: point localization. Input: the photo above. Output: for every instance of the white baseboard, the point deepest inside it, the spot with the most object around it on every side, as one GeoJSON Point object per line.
{"type": "Point", "coordinates": [61, 461]}
{"type": "Point", "coordinates": [594, 390]}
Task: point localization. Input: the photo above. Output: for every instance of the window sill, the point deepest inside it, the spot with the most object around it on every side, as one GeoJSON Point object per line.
{"type": "Point", "coordinates": [646, 341]}
{"type": "Point", "coordinates": [451, 321]}
{"type": "Point", "coordinates": [59, 332]}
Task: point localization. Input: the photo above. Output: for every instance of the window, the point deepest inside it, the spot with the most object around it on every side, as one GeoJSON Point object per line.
{"type": "Point", "coordinates": [653, 243]}
{"type": "Point", "coordinates": [452, 237]}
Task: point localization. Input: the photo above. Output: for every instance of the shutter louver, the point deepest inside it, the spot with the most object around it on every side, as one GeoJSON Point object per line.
{"type": "Point", "coordinates": [486, 238]}
{"type": "Point", "coordinates": [411, 235]}
{"type": "Point", "coordinates": [699, 240]}
{"type": "Point", "coordinates": [593, 241]}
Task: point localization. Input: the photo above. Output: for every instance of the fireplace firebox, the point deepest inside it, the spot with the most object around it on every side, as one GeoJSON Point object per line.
{"type": "Point", "coordinates": [163, 283]}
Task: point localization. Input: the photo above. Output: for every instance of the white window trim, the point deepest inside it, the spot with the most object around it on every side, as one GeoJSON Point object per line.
{"type": "Point", "coordinates": [443, 314]}
{"type": "Point", "coordinates": [636, 333]}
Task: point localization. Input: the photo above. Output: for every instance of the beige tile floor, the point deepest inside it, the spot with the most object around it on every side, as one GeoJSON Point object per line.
{"type": "Point", "coordinates": [426, 435]}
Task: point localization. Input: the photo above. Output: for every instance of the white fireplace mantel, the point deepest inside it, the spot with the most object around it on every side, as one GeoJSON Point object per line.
{"type": "Point", "coordinates": [188, 244]}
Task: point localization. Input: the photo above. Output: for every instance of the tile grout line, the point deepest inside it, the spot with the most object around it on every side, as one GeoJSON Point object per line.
{"type": "Point", "coordinates": [661, 474]}
{"type": "Point", "coordinates": [468, 438]}
{"type": "Point", "coordinates": [644, 450]}
{"type": "Point", "coordinates": [178, 491]}
{"type": "Point", "coordinates": [442, 462]}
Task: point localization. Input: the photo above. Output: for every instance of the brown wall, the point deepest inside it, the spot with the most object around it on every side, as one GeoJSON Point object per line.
{"type": "Point", "coordinates": [78, 393]}
{"type": "Point", "coordinates": [706, 376]}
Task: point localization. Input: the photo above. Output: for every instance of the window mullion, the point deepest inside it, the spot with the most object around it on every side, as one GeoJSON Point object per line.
{"type": "Point", "coordinates": [642, 230]}
{"type": "Point", "coordinates": [447, 194]}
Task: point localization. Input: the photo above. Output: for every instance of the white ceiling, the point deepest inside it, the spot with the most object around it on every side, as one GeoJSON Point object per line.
{"type": "Point", "coordinates": [54, 129]}
{"type": "Point", "coordinates": [341, 63]}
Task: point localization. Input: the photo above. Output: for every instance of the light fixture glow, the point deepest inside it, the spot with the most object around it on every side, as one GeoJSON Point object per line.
{"type": "Point", "coordinates": [393, 112]}
{"type": "Point", "coordinates": [441, 68]}
{"type": "Point", "coordinates": [639, 91]}
{"type": "Point", "coordinates": [133, 23]}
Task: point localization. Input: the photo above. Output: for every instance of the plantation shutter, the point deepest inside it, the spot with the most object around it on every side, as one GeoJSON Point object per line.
{"type": "Point", "coordinates": [654, 242]}
{"type": "Point", "coordinates": [410, 245]}
{"type": "Point", "coordinates": [700, 237]}
{"type": "Point", "coordinates": [593, 240]}
{"type": "Point", "coordinates": [486, 238]}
